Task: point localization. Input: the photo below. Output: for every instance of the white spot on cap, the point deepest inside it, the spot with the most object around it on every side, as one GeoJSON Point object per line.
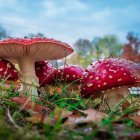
{"type": "Point", "coordinates": [110, 76]}
{"type": "Point", "coordinates": [1, 69]}
{"type": "Point", "coordinates": [89, 85]}
{"type": "Point", "coordinates": [73, 76]}
{"type": "Point", "coordinates": [120, 79]}
{"type": "Point", "coordinates": [124, 74]}
{"type": "Point", "coordinates": [67, 76]}
{"type": "Point", "coordinates": [122, 69]}
{"type": "Point", "coordinates": [104, 71]}
{"type": "Point", "coordinates": [99, 85]}
{"type": "Point", "coordinates": [59, 71]}
{"type": "Point", "coordinates": [112, 70]}
{"type": "Point", "coordinates": [91, 76]}
{"type": "Point", "coordinates": [97, 78]}
{"type": "Point", "coordinates": [104, 83]}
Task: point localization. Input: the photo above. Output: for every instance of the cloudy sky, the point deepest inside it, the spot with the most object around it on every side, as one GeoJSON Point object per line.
{"type": "Point", "coordinates": [68, 20]}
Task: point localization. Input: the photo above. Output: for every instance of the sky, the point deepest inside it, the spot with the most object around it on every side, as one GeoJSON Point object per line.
{"type": "Point", "coordinates": [69, 20]}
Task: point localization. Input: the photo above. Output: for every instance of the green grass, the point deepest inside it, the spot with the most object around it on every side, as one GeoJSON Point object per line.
{"type": "Point", "coordinates": [116, 126]}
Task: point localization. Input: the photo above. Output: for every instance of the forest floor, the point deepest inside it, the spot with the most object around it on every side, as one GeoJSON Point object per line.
{"type": "Point", "coordinates": [60, 114]}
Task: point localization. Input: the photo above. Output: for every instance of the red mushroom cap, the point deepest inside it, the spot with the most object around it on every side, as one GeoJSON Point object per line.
{"type": "Point", "coordinates": [69, 73]}
{"type": "Point", "coordinates": [109, 73]}
{"type": "Point", "coordinates": [7, 70]}
{"type": "Point", "coordinates": [36, 48]}
{"type": "Point", "coordinates": [44, 72]}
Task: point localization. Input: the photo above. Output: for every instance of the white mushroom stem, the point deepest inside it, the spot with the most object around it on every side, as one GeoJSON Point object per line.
{"type": "Point", "coordinates": [113, 97]}
{"type": "Point", "coordinates": [27, 76]}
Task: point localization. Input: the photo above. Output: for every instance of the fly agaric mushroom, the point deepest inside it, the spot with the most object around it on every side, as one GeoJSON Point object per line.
{"type": "Point", "coordinates": [69, 74]}
{"type": "Point", "coordinates": [8, 74]}
{"type": "Point", "coordinates": [112, 77]}
{"type": "Point", "coordinates": [26, 51]}
{"type": "Point", "coordinates": [45, 72]}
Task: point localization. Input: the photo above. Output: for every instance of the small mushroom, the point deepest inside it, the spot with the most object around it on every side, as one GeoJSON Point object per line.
{"type": "Point", "coordinates": [8, 74]}
{"type": "Point", "coordinates": [45, 72]}
{"type": "Point", "coordinates": [25, 51]}
{"type": "Point", "coordinates": [111, 78]}
{"type": "Point", "coordinates": [69, 74]}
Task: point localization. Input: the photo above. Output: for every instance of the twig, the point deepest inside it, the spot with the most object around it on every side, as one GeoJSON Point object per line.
{"type": "Point", "coordinates": [11, 119]}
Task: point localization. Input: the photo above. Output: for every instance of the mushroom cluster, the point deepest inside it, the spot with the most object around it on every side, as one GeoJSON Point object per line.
{"type": "Point", "coordinates": [68, 76]}
{"type": "Point", "coordinates": [26, 51]}
{"type": "Point", "coordinates": [69, 73]}
{"type": "Point", "coordinates": [8, 74]}
{"type": "Point", "coordinates": [110, 77]}
{"type": "Point", "coordinates": [45, 72]}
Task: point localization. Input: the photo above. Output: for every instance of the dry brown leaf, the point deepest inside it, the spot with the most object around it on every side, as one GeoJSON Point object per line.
{"type": "Point", "coordinates": [43, 118]}
{"type": "Point", "coordinates": [28, 105]}
{"type": "Point", "coordinates": [138, 113]}
{"type": "Point", "coordinates": [37, 119]}
{"type": "Point", "coordinates": [94, 115]}
{"type": "Point", "coordinates": [73, 119]}
{"type": "Point", "coordinates": [136, 119]}
{"type": "Point", "coordinates": [61, 113]}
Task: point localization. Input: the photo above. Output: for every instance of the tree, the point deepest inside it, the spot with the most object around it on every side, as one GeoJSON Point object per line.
{"type": "Point", "coordinates": [108, 46]}
{"type": "Point", "coordinates": [35, 35]}
{"type": "Point", "coordinates": [131, 50]}
{"type": "Point", "coordinates": [83, 47]}
{"type": "Point", "coordinates": [3, 33]}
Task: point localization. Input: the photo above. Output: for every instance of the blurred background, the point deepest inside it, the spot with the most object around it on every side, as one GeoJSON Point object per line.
{"type": "Point", "coordinates": [94, 28]}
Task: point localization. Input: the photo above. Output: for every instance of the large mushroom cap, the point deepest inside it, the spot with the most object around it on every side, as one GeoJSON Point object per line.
{"type": "Point", "coordinates": [44, 72]}
{"type": "Point", "coordinates": [69, 73]}
{"type": "Point", "coordinates": [109, 73]}
{"type": "Point", "coordinates": [7, 70]}
{"type": "Point", "coordinates": [37, 48]}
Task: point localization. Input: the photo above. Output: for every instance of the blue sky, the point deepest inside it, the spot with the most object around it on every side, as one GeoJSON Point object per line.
{"type": "Point", "coordinates": [68, 20]}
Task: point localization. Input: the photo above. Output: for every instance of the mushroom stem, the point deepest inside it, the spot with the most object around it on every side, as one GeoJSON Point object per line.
{"type": "Point", "coordinates": [29, 80]}
{"type": "Point", "coordinates": [113, 97]}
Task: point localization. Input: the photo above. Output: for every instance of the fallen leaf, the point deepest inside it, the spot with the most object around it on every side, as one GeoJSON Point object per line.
{"type": "Point", "coordinates": [37, 119]}
{"type": "Point", "coordinates": [61, 113]}
{"type": "Point", "coordinates": [28, 105]}
{"type": "Point", "coordinates": [138, 113]}
{"type": "Point", "coordinates": [58, 114]}
{"type": "Point", "coordinates": [94, 115]}
{"type": "Point", "coordinates": [136, 119]}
